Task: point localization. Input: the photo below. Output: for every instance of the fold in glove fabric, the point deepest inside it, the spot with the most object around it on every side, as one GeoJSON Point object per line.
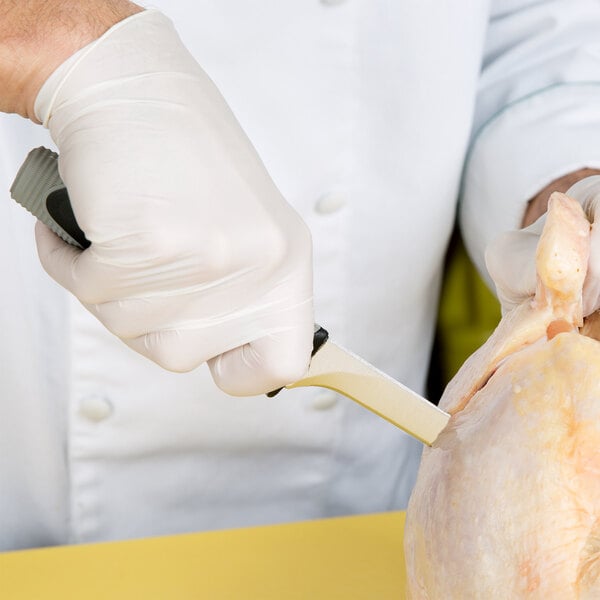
{"type": "Point", "coordinates": [195, 256]}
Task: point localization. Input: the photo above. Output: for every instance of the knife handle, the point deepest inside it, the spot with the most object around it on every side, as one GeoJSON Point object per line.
{"type": "Point", "coordinates": [39, 188]}
{"type": "Point", "coordinates": [320, 336]}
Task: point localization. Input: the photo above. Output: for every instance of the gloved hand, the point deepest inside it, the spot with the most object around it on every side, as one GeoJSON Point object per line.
{"type": "Point", "coordinates": [195, 256]}
{"type": "Point", "coordinates": [510, 258]}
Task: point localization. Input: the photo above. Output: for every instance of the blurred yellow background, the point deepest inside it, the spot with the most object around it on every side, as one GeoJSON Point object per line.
{"type": "Point", "coordinates": [468, 314]}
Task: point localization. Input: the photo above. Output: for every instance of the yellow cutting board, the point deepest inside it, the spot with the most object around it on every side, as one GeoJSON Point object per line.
{"type": "Point", "coordinates": [347, 558]}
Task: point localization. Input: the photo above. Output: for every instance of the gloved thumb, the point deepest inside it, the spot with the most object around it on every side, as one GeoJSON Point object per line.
{"type": "Point", "coordinates": [265, 364]}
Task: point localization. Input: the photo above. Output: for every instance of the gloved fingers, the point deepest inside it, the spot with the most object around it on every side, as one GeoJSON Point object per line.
{"type": "Point", "coordinates": [586, 192]}
{"type": "Point", "coordinates": [58, 258]}
{"type": "Point", "coordinates": [265, 364]}
{"type": "Point", "coordinates": [131, 318]}
{"type": "Point", "coordinates": [250, 368]}
{"type": "Point", "coordinates": [510, 260]}
{"type": "Point", "coordinates": [76, 270]}
{"type": "Point", "coordinates": [175, 350]}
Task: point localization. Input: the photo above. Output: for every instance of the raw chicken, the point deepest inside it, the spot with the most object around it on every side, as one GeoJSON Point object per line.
{"type": "Point", "coordinates": [507, 501]}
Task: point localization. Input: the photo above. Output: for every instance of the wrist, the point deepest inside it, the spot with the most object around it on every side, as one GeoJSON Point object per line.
{"type": "Point", "coordinates": [35, 40]}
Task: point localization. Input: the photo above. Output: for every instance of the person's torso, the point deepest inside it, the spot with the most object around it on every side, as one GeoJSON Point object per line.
{"type": "Point", "coordinates": [361, 112]}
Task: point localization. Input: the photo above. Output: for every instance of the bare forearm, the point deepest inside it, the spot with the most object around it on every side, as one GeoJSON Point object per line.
{"type": "Point", "coordinates": [36, 36]}
{"type": "Point", "coordinates": [538, 204]}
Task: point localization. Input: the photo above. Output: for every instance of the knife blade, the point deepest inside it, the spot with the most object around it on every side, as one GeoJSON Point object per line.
{"type": "Point", "coordinates": [338, 369]}
{"type": "Point", "coordinates": [39, 188]}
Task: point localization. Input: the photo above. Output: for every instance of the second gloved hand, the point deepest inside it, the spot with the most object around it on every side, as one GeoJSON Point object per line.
{"type": "Point", "coordinates": [510, 258]}
{"type": "Point", "coordinates": [195, 256]}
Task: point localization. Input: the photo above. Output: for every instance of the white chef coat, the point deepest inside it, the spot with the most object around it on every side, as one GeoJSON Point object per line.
{"type": "Point", "coordinates": [362, 112]}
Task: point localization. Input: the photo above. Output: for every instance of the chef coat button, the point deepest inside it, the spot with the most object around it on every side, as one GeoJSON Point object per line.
{"type": "Point", "coordinates": [325, 400]}
{"type": "Point", "coordinates": [95, 408]}
{"type": "Point", "coordinates": [330, 203]}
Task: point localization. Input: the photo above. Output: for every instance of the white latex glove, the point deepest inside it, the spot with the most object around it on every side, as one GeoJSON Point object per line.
{"type": "Point", "coordinates": [510, 258]}
{"type": "Point", "coordinates": [195, 256]}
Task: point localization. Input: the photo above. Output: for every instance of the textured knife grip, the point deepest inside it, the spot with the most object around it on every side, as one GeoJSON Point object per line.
{"type": "Point", "coordinates": [39, 188]}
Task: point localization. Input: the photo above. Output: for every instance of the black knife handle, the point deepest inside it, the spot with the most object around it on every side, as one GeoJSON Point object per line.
{"type": "Point", "coordinates": [319, 338]}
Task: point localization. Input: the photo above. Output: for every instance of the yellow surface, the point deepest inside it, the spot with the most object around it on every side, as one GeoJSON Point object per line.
{"type": "Point", "coordinates": [347, 558]}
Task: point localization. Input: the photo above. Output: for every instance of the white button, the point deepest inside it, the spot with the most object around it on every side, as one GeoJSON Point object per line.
{"type": "Point", "coordinates": [95, 408]}
{"type": "Point", "coordinates": [325, 400]}
{"type": "Point", "coordinates": [330, 203]}
{"type": "Point", "coordinates": [332, 2]}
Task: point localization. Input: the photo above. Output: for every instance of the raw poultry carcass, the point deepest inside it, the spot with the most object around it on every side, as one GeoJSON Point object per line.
{"type": "Point", "coordinates": [507, 501]}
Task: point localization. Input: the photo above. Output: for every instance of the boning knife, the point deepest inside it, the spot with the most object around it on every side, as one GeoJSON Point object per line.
{"type": "Point", "coordinates": [39, 188]}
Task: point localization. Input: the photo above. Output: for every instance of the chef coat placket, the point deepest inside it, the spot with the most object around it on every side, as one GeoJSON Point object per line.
{"type": "Point", "coordinates": [89, 406]}
{"type": "Point", "coordinates": [100, 445]}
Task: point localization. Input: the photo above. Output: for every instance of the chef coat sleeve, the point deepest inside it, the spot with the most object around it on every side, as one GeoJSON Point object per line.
{"type": "Point", "coordinates": [537, 115]}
